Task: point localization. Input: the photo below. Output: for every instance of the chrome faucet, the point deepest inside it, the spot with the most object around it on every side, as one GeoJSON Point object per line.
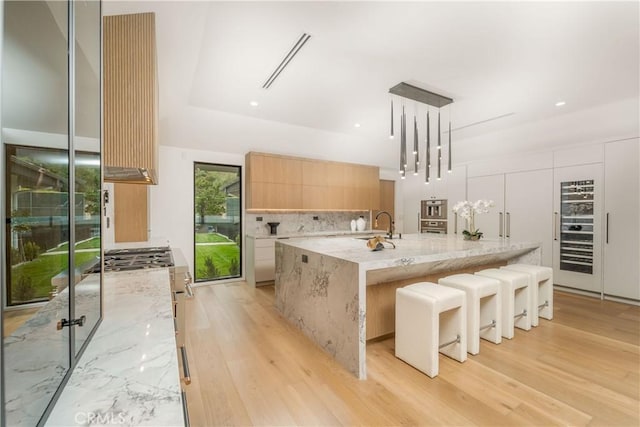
{"type": "Point", "coordinates": [390, 232]}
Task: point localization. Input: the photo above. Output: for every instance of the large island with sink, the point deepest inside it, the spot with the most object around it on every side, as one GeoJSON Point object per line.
{"type": "Point", "coordinates": [340, 293]}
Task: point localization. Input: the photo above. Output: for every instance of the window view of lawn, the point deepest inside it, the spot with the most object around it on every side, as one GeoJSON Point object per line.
{"type": "Point", "coordinates": [31, 280]}
{"type": "Point", "coordinates": [217, 221]}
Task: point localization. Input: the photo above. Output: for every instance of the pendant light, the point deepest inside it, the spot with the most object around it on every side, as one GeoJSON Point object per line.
{"type": "Point", "coordinates": [409, 91]}
{"type": "Point", "coordinates": [427, 168]}
{"type": "Point", "coordinates": [439, 148]}
{"type": "Point", "coordinates": [449, 152]}
{"type": "Point", "coordinates": [416, 158]}
{"type": "Point", "coordinates": [391, 132]}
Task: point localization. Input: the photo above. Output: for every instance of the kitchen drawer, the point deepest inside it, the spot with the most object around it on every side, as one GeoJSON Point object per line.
{"type": "Point", "coordinates": [264, 270]}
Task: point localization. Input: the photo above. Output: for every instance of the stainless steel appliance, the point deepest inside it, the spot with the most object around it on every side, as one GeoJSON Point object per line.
{"type": "Point", "coordinates": [433, 216]}
{"type": "Point", "coordinates": [129, 259]}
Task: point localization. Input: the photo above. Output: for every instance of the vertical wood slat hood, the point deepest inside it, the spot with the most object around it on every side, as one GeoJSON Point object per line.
{"type": "Point", "coordinates": [130, 99]}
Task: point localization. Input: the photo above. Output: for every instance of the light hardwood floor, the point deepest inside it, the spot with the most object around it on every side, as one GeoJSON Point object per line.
{"type": "Point", "coordinates": [250, 367]}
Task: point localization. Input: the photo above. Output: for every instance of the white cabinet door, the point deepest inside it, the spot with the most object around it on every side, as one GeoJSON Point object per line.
{"type": "Point", "coordinates": [456, 191]}
{"type": "Point", "coordinates": [487, 188]}
{"type": "Point", "coordinates": [577, 244]}
{"type": "Point", "coordinates": [622, 219]}
{"type": "Point", "coordinates": [529, 209]}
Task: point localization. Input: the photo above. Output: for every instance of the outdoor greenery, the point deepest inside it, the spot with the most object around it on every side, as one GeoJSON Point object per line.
{"type": "Point", "coordinates": [217, 253]}
{"type": "Point", "coordinates": [92, 243]}
{"type": "Point", "coordinates": [221, 256]}
{"type": "Point", "coordinates": [41, 270]}
{"type": "Point", "coordinates": [211, 238]}
{"type": "Point", "coordinates": [210, 197]}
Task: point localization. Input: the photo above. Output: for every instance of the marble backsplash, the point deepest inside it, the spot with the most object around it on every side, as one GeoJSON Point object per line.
{"type": "Point", "coordinates": [303, 222]}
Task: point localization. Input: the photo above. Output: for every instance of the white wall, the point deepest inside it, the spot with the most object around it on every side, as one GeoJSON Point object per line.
{"type": "Point", "coordinates": [171, 201]}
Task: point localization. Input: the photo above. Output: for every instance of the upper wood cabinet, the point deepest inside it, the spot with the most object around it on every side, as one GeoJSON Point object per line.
{"type": "Point", "coordinates": [130, 97]}
{"type": "Point", "coordinates": [282, 182]}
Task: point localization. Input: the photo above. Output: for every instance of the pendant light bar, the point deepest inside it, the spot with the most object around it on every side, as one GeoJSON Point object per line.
{"type": "Point", "coordinates": [409, 91]}
{"type": "Point", "coordinates": [449, 152]}
{"type": "Point", "coordinates": [439, 148]}
{"type": "Point", "coordinates": [391, 132]}
{"type": "Point", "coordinates": [428, 153]}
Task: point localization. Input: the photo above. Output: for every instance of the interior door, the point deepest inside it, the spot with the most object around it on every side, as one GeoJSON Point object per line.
{"type": "Point", "coordinates": [490, 187]}
{"type": "Point", "coordinates": [529, 209]}
{"type": "Point", "coordinates": [35, 120]}
{"type": "Point", "coordinates": [577, 236]}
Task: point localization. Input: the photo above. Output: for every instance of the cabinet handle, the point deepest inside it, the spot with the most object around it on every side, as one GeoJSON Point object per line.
{"type": "Point", "coordinates": [185, 365]}
{"type": "Point", "coordinates": [508, 232]}
{"type": "Point", "coordinates": [185, 409]}
{"type": "Point", "coordinates": [555, 226]}
{"type": "Point", "coordinates": [500, 224]}
{"type": "Point", "coordinates": [607, 228]}
{"type": "Point", "coordinates": [455, 223]}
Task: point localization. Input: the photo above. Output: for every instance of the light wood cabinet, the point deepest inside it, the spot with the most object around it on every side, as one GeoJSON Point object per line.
{"type": "Point", "coordinates": [387, 202]}
{"type": "Point", "coordinates": [282, 182]}
{"type": "Point", "coordinates": [130, 215]}
{"type": "Point", "coordinates": [130, 93]}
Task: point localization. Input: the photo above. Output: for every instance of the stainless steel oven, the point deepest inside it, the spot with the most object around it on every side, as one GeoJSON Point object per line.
{"type": "Point", "coordinates": [433, 216]}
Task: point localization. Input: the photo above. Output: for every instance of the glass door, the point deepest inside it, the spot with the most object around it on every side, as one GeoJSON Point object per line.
{"type": "Point", "coordinates": [217, 221]}
{"type": "Point", "coordinates": [577, 227]}
{"type": "Point", "coordinates": [36, 188]}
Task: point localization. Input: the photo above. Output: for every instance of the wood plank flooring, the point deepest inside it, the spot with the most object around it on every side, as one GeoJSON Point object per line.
{"type": "Point", "coordinates": [250, 367]}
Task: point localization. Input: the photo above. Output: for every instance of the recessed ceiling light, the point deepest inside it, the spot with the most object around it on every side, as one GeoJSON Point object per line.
{"type": "Point", "coordinates": [357, 125]}
{"type": "Point", "coordinates": [254, 103]}
{"type": "Point", "coordinates": [560, 103]}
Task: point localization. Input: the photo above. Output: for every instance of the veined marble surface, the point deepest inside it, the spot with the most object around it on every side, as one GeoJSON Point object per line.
{"type": "Point", "coordinates": [128, 375]}
{"type": "Point", "coordinates": [302, 223]}
{"type": "Point", "coordinates": [324, 293]}
{"type": "Point", "coordinates": [36, 355]}
{"type": "Point", "coordinates": [326, 233]}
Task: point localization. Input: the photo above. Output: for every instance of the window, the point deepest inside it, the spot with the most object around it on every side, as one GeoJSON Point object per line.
{"type": "Point", "coordinates": [217, 221]}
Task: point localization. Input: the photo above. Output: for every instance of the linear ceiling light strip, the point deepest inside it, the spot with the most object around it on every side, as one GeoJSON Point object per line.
{"type": "Point", "coordinates": [292, 53]}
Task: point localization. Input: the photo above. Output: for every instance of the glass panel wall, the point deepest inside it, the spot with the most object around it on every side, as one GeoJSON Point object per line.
{"type": "Point", "coordinates": [217, 221]}
{"type": "Point", "coordinates": [50, 163]}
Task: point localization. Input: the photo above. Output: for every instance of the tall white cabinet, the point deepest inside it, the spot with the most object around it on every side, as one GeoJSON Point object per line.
{"type": "Point", "coordinates": [523, 207]}
{"type": "Point", "coordinates": [622, 219]}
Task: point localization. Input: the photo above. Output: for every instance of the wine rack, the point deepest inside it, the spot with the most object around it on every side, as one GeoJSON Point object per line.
{"type": "Point", "coordinates": [576, 226]}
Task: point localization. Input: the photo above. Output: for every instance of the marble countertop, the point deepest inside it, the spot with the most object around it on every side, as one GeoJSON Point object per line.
{"type": "Point", "coordinates": [312, 234]}
{"type": "Point", "coordinates": [411, 249]}
{"type": "Point", "coordinates": [128, 375]}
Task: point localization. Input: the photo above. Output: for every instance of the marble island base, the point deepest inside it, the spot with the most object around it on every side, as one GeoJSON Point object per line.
{"type": "Point", "coordinates": [339, 293]}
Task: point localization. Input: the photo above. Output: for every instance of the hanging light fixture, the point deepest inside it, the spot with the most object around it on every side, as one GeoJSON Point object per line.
{"type": "Point", "coordinates": [406, 90]}
{"type": "Point", "coordinates": [439, 148]}
{"type": "Point", "coordinates": [416, 156]}
{"type": "Point", "coordinates": [391, 133]}
{"type": "Point", "coordinates": [427, 169]}
{"type": "Point", "coordinates": [449, 150]}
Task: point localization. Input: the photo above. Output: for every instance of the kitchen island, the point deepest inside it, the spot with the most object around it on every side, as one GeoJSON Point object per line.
{"type": "Point", "coordinates": [340, 293]}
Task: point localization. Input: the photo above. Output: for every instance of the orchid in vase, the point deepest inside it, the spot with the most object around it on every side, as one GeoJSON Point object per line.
{"type": "Point", "coordinates": [468, 210]}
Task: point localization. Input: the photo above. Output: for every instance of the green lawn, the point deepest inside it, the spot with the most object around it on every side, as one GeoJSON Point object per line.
{"type": "Point", "coordinates": [211, 238]}
{"type": "Point", "coordinates": [221, 256]}
{"type": "Point", "coordinates": [42, 269]}
{"type": "Point", "coordinates": [93, 243]}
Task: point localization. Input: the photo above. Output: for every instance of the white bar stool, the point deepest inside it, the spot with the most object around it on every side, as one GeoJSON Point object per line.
{"type": "Point", "coordinates": [541, 290]}
{"type": "Point", "coordinates": [516, 300]}
{"type": "Point", "coordinates": [484, 307]}
{"type": "Point", "coordinates": [430, 319]}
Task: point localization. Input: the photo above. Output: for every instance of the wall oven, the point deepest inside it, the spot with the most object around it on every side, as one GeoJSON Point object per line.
{"type": "Point", "coordinates": [433, 216]}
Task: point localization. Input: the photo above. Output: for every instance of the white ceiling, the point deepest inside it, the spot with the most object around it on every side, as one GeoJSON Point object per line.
{"type": "Point", "coordinates": [513, 60]}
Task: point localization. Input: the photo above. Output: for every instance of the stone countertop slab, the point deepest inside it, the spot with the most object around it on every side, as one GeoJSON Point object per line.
{"type": "Point", "coordinates": [128, 375]}
{"type": "Point", "coordinates": [313, 234]}
{"type": "Point", "coordinates": [411, 249]}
